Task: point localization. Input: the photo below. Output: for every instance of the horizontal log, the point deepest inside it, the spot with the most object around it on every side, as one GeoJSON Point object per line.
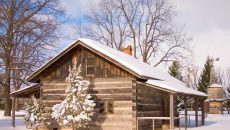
{"type": "Point", "coordinates": [121, 104]}
{"type": "Point", "coordinates": [117, 79]}
{"type": "Point", "coordinates": [54, 86]}
{"type": "Point", "coordinates": [148, 108]}
{"type": "Point", "coordinates": [51, 104]}
{"type": "Point", "coordinates": [115, 97]}
{"type": "Point", "coordinates": [113, 118]}
{"type": "Point", "coordinates": [54, 89]}
{"type": "Point", "coordinates": [92, 90]}
{"type": "Point", "coordinates": [123, 111]}
{"type": "Point", "coordinates": [147, 101]}
{"type": "Point", "coordinates": [148, 113]}
{"type": "Point", "coordinates": [110, 91]}
{"type": "Point", "coordinates": [120, 96]}
{"type": "Point", "coordinates": [59, 91]}
{"type": "Point", "coordinates": [111, 85]}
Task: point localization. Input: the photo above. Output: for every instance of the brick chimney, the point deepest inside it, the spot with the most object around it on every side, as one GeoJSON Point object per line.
{"type": "Point", "coordinates": [128, 50]}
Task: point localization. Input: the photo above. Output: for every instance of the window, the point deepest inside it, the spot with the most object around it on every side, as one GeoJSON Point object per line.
{"type": "Point", "coordinates": [106, 107]}
{"type": "Point", "coordinates": [90, 64]}
{"type": "Point", "coordinates": [102, 107]}
{"type": "Point", "coordinates": [110, 107]}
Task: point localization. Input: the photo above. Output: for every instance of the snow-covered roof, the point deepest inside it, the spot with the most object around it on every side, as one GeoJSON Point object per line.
{"type": "Point", "coordinates": [177, 87]}
{"type": "Point", "coordinates": [217, 99]}
{"type": "Point", "coordinates": [26, 88]}
{"type": "Point", "coordinates": [215, 86]}
{"type": "Point", "coordinates": [140, 68]}
{"type": "Point", "coordinates": [136, 65]}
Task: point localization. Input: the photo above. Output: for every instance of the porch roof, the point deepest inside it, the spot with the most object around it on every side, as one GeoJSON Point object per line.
{"type": "Point", "coordinates": [27, 91]}
{"type": "Point", "coordinates": [175, 87]}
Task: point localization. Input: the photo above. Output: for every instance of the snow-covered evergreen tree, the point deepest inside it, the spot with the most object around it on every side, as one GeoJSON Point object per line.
{"type": "Point", "coordinates": [33, 117]}
{"type": "Point", "coordinates": [76, 109]}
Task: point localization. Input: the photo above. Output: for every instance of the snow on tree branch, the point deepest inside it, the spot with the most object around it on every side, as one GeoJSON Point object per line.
{"type": "Point", "coordinates": [77, 107]}
{"type": "Point", "coordinates": [33, 117]}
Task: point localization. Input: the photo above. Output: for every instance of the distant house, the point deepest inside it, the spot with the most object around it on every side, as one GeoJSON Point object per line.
{"type": "Point", "coordinates": [126, 90]}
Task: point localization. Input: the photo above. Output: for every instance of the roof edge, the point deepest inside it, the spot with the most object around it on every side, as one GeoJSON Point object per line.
{"type": "Point", "coordinates": [51, 61]}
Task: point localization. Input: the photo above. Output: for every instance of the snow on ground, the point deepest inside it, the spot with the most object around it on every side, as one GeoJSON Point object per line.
{"type": "Point", "coordinates": [5, 122]}
{"type": "Point", "coordinates": [212, 122]}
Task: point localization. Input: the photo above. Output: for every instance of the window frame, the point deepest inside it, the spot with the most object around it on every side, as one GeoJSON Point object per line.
{"type": "Point", "coordinates": [91, 57]}
{"type": "Point", "coordinates": [108, 107]}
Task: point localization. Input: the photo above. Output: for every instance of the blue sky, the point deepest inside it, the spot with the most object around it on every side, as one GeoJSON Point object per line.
{"type": "Point", "coordinates": [206, 21]}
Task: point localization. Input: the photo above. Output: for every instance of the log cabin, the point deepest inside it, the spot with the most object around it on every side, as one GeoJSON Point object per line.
{"type": "Point", "coordinates": [129, 94]}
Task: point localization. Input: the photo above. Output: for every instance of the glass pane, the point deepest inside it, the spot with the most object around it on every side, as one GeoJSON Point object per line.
{"type": "Point", "coordinates": [90, 70]}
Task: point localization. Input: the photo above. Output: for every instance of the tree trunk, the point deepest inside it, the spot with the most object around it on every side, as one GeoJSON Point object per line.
{"type": "Point", "coordinates": [7, 104]}
{"type": "Point", "coordinates": [7, 101]}
{"type": "Point", "coordinates": [6, 86]}
{"type": "Point", "coordinates": [7, 61]}
{"type": "Point", "coordinates": [144, 58]}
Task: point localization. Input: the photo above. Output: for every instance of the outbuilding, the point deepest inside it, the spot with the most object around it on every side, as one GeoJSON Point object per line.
{"type": "Point", "coordinates": [216, 97]}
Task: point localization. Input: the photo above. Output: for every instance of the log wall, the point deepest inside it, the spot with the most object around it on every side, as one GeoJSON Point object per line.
{"type": "Point", "coordinates": [102, 67]}
{"type": "Point", "coordinates": [151, 103]}
{"type": "Point", "coordinates": [116, 92]}
{"type": "Point", "coordinates": [215, 93]}
{"type": "Point", "coordinates": [215, 107]}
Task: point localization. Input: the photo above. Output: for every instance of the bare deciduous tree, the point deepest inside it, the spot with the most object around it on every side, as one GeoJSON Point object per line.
{"type": "Point", "coordinates": [27, 29]}
{"type": "Point", "coordinates": [108, 25]}
{"type": "Point", "coordinates": [224, 77]}
{"type": "Point", "coordinates": [148, 24]}
{"type": "Point", "coordinates": [191, 76]}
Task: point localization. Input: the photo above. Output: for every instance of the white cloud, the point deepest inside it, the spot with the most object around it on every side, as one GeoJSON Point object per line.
{"type": "Point", "coordinates": [208, 22]}
{"type": "Point", "coordinates": [215, 43]}
{"type": "Point", "coordinates": [204, 15]}
{"type": "Point", "coordinates": [76, 8]}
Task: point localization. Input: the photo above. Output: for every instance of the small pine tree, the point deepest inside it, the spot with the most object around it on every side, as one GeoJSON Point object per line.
{"type": "Point", "coordinates": [76, 109]}
{"type": "Point", "coordinates": [174, 70]}
{"type": "Point", "coordinates": [204, 80]}
{"type": "Point", "coordinates": [33, 116]}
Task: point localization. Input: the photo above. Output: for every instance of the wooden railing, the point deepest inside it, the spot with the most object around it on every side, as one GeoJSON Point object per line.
{"type": "Point", "coordinates": [158, 118]}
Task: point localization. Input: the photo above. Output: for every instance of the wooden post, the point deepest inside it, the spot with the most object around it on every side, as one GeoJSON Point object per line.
{"type": "Point", "coordinates": [203, 112]}
{"type": "Point", "coordinates": [196, 112]}
{"type": "Point", "coordinates": [186, 112]}
{"type": "Point", "coordinates": [228, 106]}
{"type": "Point", "coordinates": [13, 111]}
{"type": "Point", "coordinates": [153, 124]}
{"type": "Point", "coordinates": [134, 106]}
{"type": "Point", "coordinates": [222, 109]}
{"type": "Point", "coordinates": [171, 111]}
